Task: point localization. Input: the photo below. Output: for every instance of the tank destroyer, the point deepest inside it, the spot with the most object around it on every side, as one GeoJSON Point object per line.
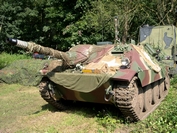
{"type": "Point", "coordinates": [127, 76]}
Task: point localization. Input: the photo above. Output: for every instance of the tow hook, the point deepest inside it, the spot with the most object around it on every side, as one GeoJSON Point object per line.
{"type": "Point", "coordinates": [109, 94]}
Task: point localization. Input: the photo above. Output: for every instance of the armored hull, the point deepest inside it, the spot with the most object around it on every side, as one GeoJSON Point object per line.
{"type": "Point", "coordinates": [126, 76]}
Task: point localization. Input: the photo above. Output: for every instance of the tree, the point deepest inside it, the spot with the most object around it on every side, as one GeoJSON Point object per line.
{"type": "Point", "coordinates": [59, 24]}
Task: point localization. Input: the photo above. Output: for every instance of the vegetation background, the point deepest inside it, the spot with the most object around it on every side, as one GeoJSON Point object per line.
{"type": "Point", "coordinates": [60, 23]}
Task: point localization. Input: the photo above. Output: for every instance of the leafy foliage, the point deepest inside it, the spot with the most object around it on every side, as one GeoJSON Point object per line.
{"type": "Point", "coordinates": [58, 24]}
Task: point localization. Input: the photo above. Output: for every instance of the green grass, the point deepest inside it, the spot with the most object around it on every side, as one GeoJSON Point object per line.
{"type": "Point", "coordinates": [6, 59]}
{"type": "Point", "coordinates": [22, 110]}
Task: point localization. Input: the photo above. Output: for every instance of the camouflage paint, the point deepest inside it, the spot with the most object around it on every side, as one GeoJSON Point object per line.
{"type": "Point", "coordinates": [139, 66]}
{"type": "Point", "coordinates": [163, 38]}
{"type": "Point", "coordinates": [98, 52]}
{"type": "Point", "coordinates": [149, 76]}
{"type": "Point", "coordinates": [77, 54]}
{"type": "Point", "coordinates": [124, 75]}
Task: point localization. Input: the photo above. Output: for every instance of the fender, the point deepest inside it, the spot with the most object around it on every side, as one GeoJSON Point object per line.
{"type": "Point", "coordinates": [149, 76]}
{"type": "Point", "coordinates": [124, 75]}
{"type": "Point", "coordinates": [146, 76]}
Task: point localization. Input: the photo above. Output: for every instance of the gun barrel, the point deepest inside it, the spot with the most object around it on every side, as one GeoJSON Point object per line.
{"type": "Point", "coordinates": [77, 54]}
{"type": "Point", "coordinates": [33, 47]}
{"type": "Point", "coordinates": [12, 41]}
{"type": "Point", "coordinates": [18, 43]}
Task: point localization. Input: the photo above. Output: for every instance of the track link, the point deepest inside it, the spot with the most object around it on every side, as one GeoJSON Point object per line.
{"type": "Point", "coordinates": [136, 103]}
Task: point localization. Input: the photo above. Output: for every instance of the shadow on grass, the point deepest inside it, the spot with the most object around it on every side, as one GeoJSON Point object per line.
{"type": "Point", "coordinates": [46, 107]}
{"type": "Point", "coordinates": [89, 110]}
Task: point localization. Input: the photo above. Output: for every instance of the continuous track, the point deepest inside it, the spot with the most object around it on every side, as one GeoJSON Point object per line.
{"type": "Point", "coordinates": [48, 95]}
{"type": "Point", "coordinates": [137, 103]}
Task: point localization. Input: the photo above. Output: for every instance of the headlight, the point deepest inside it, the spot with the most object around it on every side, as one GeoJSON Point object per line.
{"type": "Point", "coordinates": [125, 61]}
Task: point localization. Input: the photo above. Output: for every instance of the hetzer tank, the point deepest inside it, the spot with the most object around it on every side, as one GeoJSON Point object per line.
{"type": "Point", "coordinates": [134, 78]}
